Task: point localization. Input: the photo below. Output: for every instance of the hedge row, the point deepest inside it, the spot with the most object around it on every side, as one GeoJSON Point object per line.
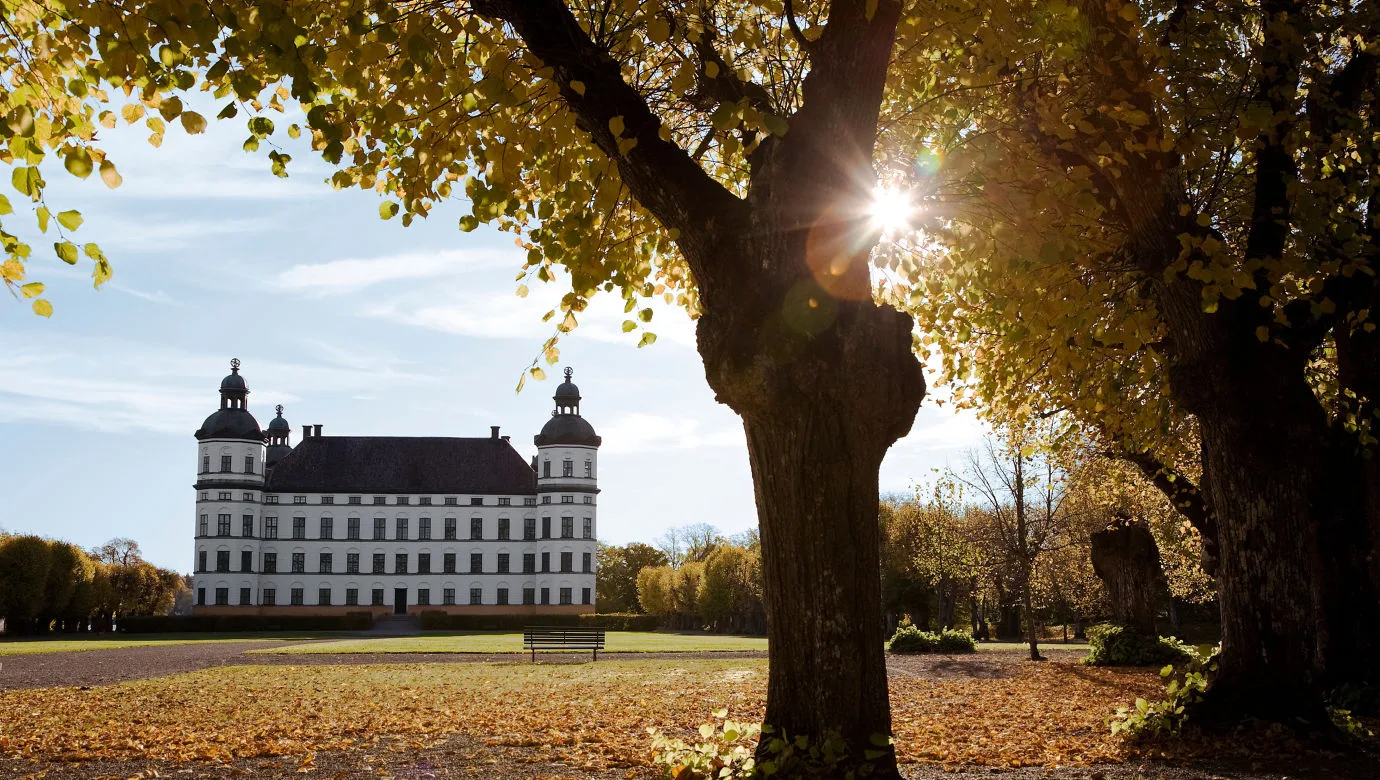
{"type": "Point", "coordinates": [441, 621]}
{"type": "Point", "coordinates": [160, 624]}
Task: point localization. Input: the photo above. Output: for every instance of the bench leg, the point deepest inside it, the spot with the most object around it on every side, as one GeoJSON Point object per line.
{"type": "Point", "coordinates": [596, 654]}
{"type": "Point", "coordinates": [534, 655]}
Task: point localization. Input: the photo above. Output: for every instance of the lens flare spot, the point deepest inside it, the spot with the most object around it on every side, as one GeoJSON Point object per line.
{"type": "Point", "coordinates": [891, 210]}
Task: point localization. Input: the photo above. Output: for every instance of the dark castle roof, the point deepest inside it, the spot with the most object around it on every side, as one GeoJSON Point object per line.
{"type": "Point", "coordinates": [402, 464]}
{"type": "Point", "coordinates": [230, 424]}
{"type": "Point", "coordinates": [567, 429]}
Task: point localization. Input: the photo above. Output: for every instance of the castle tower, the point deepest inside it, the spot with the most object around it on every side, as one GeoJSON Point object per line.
{"type": "Point", "coordinates": [279, 432]}
{"type": "Point", "coordinates": [229, 494]}
{"type": "Point", "coordinates": [567, 486]}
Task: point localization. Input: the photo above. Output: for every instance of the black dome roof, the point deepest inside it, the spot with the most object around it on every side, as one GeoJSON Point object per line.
{"type": "Point", "coordinates": [279, 424]}
{"type": "Point", "coordinates": [567, 390]}
{"type": "Point", "coordinates": [231, 424]}
{"type": "Point", "coordinates": [233, 382]}
{"type": "Point", "coordinates": [567, 429]}
{"type": "Point", "coordinates": [276, 452]}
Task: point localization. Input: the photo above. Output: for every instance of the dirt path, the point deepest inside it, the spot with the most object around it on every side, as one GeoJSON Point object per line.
{"type": "Point", "coordinates": [102, 667]}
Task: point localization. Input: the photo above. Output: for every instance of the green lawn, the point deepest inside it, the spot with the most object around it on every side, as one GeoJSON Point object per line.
{"type": "Point", "coordinates": [1044, 645]}
{"type": "Point", "coordinates": [74, 644]}
{"type": "Point", "coordinates": [501, 642]}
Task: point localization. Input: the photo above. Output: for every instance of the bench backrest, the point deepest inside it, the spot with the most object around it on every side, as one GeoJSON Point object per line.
{"type": "Point", "coordinates": [559, 634]}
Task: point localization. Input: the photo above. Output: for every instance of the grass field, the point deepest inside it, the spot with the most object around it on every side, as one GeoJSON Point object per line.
{"type": "Point", "coordinates": [501, 642]}
{"type": "Point", "coordinates": [70, 645]}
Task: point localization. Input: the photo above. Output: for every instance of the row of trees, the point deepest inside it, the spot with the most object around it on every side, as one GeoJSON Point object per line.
{"type": "Point", "coordinates": [51, 585]}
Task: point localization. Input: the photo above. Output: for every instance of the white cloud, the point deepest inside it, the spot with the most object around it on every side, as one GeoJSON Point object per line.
{"type": "Point", "coordinates": [642, 432]}
{"type": "Point", "coordinates": [335, 277]}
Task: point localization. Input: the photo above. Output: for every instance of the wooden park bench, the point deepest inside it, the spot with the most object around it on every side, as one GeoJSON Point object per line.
{"type": "Point", "coordinates": [536, 638]}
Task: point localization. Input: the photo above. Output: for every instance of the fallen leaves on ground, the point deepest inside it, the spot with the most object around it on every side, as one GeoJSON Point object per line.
{"type": "Point", "coordinates": [588, 715]}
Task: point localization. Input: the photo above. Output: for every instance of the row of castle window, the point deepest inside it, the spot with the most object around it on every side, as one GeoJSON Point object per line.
{"type": "Point", "coordinates": [228, 495]}
{"type": "Point", "coordinates": [326, 563]}
{"type": "Point", "coordinates": [400, 528]}
{"type": "Point", "coordinates": [567, 468]}
{"type": "Point", "coordinates": [227, 464]}
{"type": "Point", "coordinates": [323, 597]}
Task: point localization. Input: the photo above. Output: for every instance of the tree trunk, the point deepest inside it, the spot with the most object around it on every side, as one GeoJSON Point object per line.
{"type": "Point", "coordinates": [1032, 625]}
{"type": "Point", "coordinates": [1127, 560]}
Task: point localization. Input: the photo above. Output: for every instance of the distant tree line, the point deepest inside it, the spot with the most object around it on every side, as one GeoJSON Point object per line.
{"type": "Point", "coordinates": [693, 578]}
{"type": "Point", "coordinates": [50, 585]}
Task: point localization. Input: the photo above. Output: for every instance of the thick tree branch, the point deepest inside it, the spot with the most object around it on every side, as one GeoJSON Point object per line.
{"type": "Point", "coordinates": [1184, 495]}
{"type": "Point", "coordinates": [1279, 55]}
{"type": "Point", "coordinates": [657, 172]}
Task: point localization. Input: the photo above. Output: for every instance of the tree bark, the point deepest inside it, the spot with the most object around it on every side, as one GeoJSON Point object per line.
{"type": "Point", "coordinates": [1127, 560]}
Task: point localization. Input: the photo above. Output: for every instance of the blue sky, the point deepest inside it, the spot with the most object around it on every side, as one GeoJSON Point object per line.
{"type": "Point", "coordinates": [360, 325]}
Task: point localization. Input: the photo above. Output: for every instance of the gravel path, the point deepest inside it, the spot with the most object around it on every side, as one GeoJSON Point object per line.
{"type": "Point", "coordinates": [102, 667]}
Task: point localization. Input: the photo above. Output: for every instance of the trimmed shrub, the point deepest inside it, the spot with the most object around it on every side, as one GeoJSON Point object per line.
{"type": "Point", "coordinates": [621, 621]}
{"type": "Point", "coordinates": [1113, 645]}
{"type": "Point", "coordinates": [441, 621]}
{"type": "Point", "coordinates": [909, 639]}
{"type": "Point", "coordinates": [160, 624]}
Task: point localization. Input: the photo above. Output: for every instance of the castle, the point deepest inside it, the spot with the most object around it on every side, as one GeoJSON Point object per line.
{"type": "Point", "coordinates": [392, 524]}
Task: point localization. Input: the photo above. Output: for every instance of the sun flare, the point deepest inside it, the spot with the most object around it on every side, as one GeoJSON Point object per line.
{"type": "Point", "coordinates": [891, 210]}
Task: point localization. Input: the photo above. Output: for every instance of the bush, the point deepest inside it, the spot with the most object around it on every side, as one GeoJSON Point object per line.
{"type": "Point", "coordinates": [161, 624]}
{"type": "Point", "coordinates": [909, 639]}
{"type": "Point", "coordinates": [1113, 645]}
{"type": "Point", "coordinates": [441, 621]}
{"type": "Point", "coordinates": [1148, 720]}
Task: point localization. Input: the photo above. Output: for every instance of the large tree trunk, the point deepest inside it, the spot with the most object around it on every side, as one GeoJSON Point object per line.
{"type": "Point", "coordinates": [1127, 560]}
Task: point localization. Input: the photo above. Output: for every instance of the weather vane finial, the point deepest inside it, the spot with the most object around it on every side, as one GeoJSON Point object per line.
{"type": "Point", "coordinates": [279, 409]}
{"type": "Point", "coordinates": [569, 372]}
{"type": "Point", "coordinates": [234, 365]}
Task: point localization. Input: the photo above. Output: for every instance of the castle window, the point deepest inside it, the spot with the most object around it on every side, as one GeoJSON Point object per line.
{"type": "Point", "coordinates": [299, 499]}
{"type": "Point", "coordinates": [567, 468]}
{"type": "Point", "coordinates": [204, 494]}
{"type": "Point", "coordinates": [505, 502]}
{"type": "Point", "coordinates": [545, 595]}
{"type": "Point", "coordinates": [450, 528]}
{"type": "Point", "coordinates": [380, 527]}
{"type": "Point", "coordinates": [249, 464]}
{"type": "Point", "coordinates": [423, 597]}
{"type": "Point", "coordinates": [448, 563]}
{"type": "Point", "coordinates": [352, 563]}
{"type": "Point", "coordinates": [246, 496]}
{"type": "Point", "coordinates": [403, 500]}
{"type": "Point", "coordinates": [225, 461]}
{"type": "Point", "coordinates": [352, 528]}
{"type": "Point", "coordinates": [201, 597]}
{"type": "Point", "coordinates": [270, 499]}
{"type": "Point", "coordinates": [567, 528]}
{"type": "Point", "coordinates": [529, 528]}
{"type": "Point", "coordinates": [299, 528]}
{"type": "Point", "coordinates": [545, 564]}
{"type": "Point", "coordinates": [476, 596]}
{"type": "Point", "coordinates": [451, 501]}
{"type": "Point", "coordinates": [376, 597]}
{"type": "Point", "coordinates": [222, 560]}
{"type": "Point", "coordinates": [352, 597]}
{"type": "Point", "coordinates": [423, 563]}
{"type": "Point", "coordinates": [425, 500]}
{"type": "Point", "coordinates": [222, 597]}
{"type": "Point", "coordinates": [589, 528]}
{"type": "Point", "coordinates": [584, 595]}
{"type": "Point", "coordinates": [503, 563]}
{"type": "Point", "coordinates": [224, 495]}
{"type": "Point", "coordinates": [246, 561]}
{"type": "Point", "coordinates": [327, 528]}
{"type": "Point", "coordinates": [270, 597]}
{"type": "Point", "coordinates": [244, 597]}
{"type": "Point", "coordinates": [328, 499]}
{"type": "Point", "coordinates": [327, 563]}
{"type": "Point", "coordinates": [567, 499]}
{"type": "Point", "coordinates": [378, 565]}
{"type": "Point", "coordinates": [400, 528]}
{"type": "Point", "coordinates": [270, 528]}
{"type": "Point", "coordinates": [546, 528]}
{"type": "Point", "coordinates": [201, 525]}
{"type": "Point", "coordinates": [529, 596]}
{"type": "Point", "coordinates": [476, 528]}
{"type": "Point", "coordinates": [201, 560]}
{"type": "Point", "coordinates": [502, 596]}
{"type": "Point", "coordinates": [589, 468]}
{"type": "Point", "coordinates": [355, 500]}
{"type": "Point", "coordinates": [503, 528]}
{"type": "Point", "coordinates": [380, 500]}
{"type": "Point", "coordinates": [545, 468]}
{"type": "Point", "coordinates": [477, 501]}
{"type": "Point", "coordinates": [323, 597]}
{"type": "Point", "coordinates": [205, 464]}
{"type": "Point", "coordinates": [586, 561]}
{"type": "Point", "coordinates": [567, 562]}
{"type": "Point", "coordinates": [223, 525]}
{"type": "Point", "coordinates": [546, 499]}
{"type": "Point", "coordinates": [296, 596]}
{"type": "Point", "coordinates": [299, 563]}
{"type": "Point", "coordinates": [532, 501]}
{"type": "Point", "coordinates": [270, 563]}
{"type": "Point", "coordinates": [589, 499]}
{"type": "Point", "coordinates": [565, 596]}
{"type": "Point", "coordinates": [529, 563]}
{"type": "Point", "coordinates": [476, 563]}
{"type": "Point", "coordinates": [400, 563]}
{"type": "Point", "coordinates": [448, 596]}
{"type": "Point", "coordinates": [424, 528]}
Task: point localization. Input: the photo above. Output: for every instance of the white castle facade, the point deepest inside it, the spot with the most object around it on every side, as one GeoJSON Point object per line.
{"type": "Point", "coordinates": [392, 524]}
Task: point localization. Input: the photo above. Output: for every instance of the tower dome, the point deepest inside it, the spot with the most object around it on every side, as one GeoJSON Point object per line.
{"type": "Point", "coordinates": [566, 426]}
{"type": "Point", "coordinates": [278, 432]}
{"type": "Point", "coordinates": [232, 420]}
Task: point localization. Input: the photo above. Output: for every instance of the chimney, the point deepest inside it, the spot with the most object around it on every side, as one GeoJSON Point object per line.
{"type": "Point", "coordinates": [534, 464]}
{"type": "Point", "coordinates": [493, 432]}
{"type": "Point", "coordinates": [306, 431]}
{"type": "Point", "coordinates": [317, 432]}
{"type": "Point", "coordinates": [505, 438]}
